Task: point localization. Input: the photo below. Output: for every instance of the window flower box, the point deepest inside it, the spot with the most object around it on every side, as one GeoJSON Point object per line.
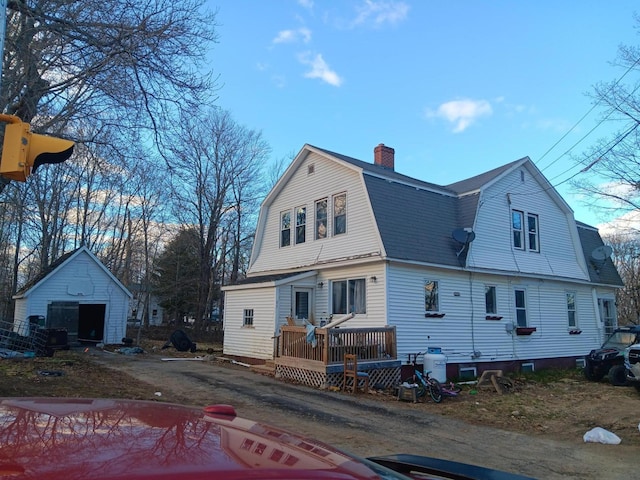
{"type": "Point", "coordinates": [525, 330]}
{"type": "Point", "coordinates": [575, 331]}
{"type": "Point", "coordinates": [493, 317]}
{"type": "Point", "coordinates": [434, 315]}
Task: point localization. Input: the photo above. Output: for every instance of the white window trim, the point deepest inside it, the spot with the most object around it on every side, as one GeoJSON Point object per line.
{"type": "Point", "coordinates": [516, 309]}
{"type": "Point", "coordinates": [537, 232]}
{"type": "Point", "coordinates": [438, 310]}
{"type": "Point", "coordinates": [525, 241]}
{"type": "Point", "coordinates": [521, 230]}
{"type": "Point", "coordinates": [326, 219]}
{"type": "Point", "coordinates": [495, 298]}
{"type": "Point", "coordinates": [333, 214]}
{"type": "Point", "coordinates": [295, 231]}
{"type": "Point", "coordinates": [246, 314]}
{"type": "Point", "coordinates": [575, 309]}
{"type": "Point", "coordinates": [346, 281]}
{"type": "Point", "coordinates": [281, 229]}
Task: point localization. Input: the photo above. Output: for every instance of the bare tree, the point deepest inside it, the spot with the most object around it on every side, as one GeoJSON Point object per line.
{"type": "Point", "coordinates": [626, 255]}
{"type": "Point", "coordinates": [120, 63]}
{"type": "Point", "coordinates": [112, 75]}
{"type": "Point", "coordinates": [610, 177]}
{"type": "Point", "coordinates": [217, 161]}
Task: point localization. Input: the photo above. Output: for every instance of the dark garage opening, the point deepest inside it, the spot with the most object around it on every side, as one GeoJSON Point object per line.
{"type": "Point", "coordinates": [91, 322]}
{"type": "Point", "coordinates": [83, 322]}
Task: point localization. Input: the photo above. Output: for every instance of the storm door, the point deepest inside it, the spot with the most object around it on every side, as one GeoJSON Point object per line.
{"type": "Point", "coordinates": [607, 314]}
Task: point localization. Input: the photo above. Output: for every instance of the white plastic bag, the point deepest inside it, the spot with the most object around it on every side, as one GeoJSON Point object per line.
{"type": "Point", "coordinates": [600, 435]}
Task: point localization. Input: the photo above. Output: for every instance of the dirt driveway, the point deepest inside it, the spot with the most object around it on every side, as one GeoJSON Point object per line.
{"type": "Point", "coordinates": [368, 425]}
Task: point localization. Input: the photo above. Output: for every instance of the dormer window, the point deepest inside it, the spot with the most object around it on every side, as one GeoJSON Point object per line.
{"type": "Point", "coordinates": [321, 219]}
{"type": "Point", "coordinates": [285, 229]}
{"type": "Point", "coordinates": [301, 224]}
{"type": "Point", "coordinates": [516, 227]}
{"type": "Point", "coordinates": [340, 214]}
{"type": "Point", "coordinates": [532, 231]}
{"type": "Point", "coordinates": [525, 235]}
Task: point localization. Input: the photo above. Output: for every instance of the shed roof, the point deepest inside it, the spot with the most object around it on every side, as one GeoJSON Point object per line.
{"type": "Point", "coordinates": [54, 266]}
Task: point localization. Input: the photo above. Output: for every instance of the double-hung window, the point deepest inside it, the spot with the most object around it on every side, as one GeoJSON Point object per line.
{"type": "Point", "coordinates": [349, 296]}
{"type": "Point", "coordinates": [340, 214]}
{"type": "Point", "coordinates": [571, 310]}
{"type": "Point", "coordinates": [247, 317]}
{"type": "Point", "coordinates": [490, 304]}
{"type": "Point", "coordinates": [321, 219]}
{"type": "Point", "coordinates": [301, 224]}
{"type": "Point", "coordinates": [532, 232]}
{"type": "Point", "coordinates": [285, 229]}
{"type": "Point", "coordinates": [431, 303]}
{"type": "Point", "coordinates": [521, 307]}
{"type": "Point", "coordinates": [517, 220]}
{"type": "Point", "coordinates": [525, 231]}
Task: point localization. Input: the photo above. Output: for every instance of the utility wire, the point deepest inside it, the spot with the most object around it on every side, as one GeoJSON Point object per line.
{"type": "Point", "coordinates": [631, 67]}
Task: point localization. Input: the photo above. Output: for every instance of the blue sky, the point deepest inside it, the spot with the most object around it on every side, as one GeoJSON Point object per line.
{"type": "Point", "coordinates": [456, 88]}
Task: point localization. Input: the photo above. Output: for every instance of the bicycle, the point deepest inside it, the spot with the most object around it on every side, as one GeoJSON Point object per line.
{"type": "Point", "coordinates": [425, 383]}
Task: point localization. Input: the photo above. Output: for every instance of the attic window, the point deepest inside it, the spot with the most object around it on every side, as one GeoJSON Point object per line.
{"type": "Point", "coordinates": [310, 169]}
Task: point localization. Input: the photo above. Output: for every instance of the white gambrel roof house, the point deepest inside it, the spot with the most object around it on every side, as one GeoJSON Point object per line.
{"type": "Point", "coordinates": [493, 269]}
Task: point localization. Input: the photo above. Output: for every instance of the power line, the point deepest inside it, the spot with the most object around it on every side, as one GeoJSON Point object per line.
{"type": "Point", "coordinates": [631, 67]}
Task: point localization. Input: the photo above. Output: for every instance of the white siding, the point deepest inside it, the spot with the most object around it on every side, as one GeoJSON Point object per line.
{"type": "Point", "coordinates": [493, 247]}
{"type": "Point", "coordinates": [255, 341]}
{"type": "Point", "coordinates": [375, 293]}
{"type": "Point", "coordinates": [81, 280]}
{"type": "Point", "coordinates": [303, 189]}
{"type": "Point", "coordinates": [465, 330]}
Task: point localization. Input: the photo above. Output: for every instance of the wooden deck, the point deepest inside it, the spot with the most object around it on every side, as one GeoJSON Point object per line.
{"type": "Point", "coordinates": [321, 362]}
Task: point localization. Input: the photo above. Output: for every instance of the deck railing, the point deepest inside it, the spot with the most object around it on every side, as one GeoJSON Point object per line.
{"type": "Point", "coordinates": [330, 346]}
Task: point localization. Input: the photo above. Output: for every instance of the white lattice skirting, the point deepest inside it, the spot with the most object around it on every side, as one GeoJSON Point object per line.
{"type": "Point", "coordinates": [384, 378]}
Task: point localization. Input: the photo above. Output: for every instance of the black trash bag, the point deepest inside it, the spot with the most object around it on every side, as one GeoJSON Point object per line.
{"type": "Point", "coordinates": [181, 342]}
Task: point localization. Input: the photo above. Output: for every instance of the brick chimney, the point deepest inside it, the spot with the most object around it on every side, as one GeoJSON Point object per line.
{"type": "Point", "coordinates": [384, 156]}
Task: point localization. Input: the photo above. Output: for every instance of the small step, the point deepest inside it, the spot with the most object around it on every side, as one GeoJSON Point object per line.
{"type": "Point", "coordinates": [268, 368]}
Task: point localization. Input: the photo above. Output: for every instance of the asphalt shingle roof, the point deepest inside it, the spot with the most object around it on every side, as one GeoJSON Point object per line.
{"type": "Point", "coordinates": [416, 219]}
{"type": "Point", "coordinates": [600, 271]}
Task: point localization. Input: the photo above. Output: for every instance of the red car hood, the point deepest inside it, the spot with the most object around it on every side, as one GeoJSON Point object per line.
{"type": "Point", "coordinates": [61, 438]}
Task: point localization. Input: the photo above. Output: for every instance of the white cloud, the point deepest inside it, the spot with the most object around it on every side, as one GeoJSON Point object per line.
{"type": "Point", "coordinates": [558, 125]}
{"type": "Point", "coordinates": [319, 69]}
{"type": "Point", "coordinates": [293, 36]}
{"type": "Point", "coordinates": [279, 81]}
{"type": "Point", "coordinates": [627, 224]}
{"type": "Point", "coordinates": [380, 12]}
{"type": "Point", "coordinates": [308, 4]}
{"type": "Point", "coordinates": [462, 113]}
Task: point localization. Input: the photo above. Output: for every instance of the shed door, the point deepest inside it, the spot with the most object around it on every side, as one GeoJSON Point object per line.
{"type": "Point", "coordinates": [64, 315]}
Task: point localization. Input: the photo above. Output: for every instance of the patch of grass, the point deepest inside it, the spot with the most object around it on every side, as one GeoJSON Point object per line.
{"type": "Point", "coordinates": [68, 374]}
{"type": "Point", "coordinates": [549, 375]}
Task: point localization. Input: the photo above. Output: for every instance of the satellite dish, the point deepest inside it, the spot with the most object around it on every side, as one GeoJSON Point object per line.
{"type": "Point", "coordinates": [601, 253]}
{"type": "Point", "coordinates": [463, 235]}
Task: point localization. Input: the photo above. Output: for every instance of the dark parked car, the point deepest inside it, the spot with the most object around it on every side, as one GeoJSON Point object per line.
{"type": "Point", "coordinates": [62, 438]}
{"type": "Point", "coordinates": [608, 359]}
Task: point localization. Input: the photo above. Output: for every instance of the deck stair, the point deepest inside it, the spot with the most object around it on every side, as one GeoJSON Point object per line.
{"type": "Point", "coordinates": [268, 368]}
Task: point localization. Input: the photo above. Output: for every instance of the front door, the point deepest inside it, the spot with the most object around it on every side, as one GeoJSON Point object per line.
{"type": "Point", "coordinates": [302, 304]}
